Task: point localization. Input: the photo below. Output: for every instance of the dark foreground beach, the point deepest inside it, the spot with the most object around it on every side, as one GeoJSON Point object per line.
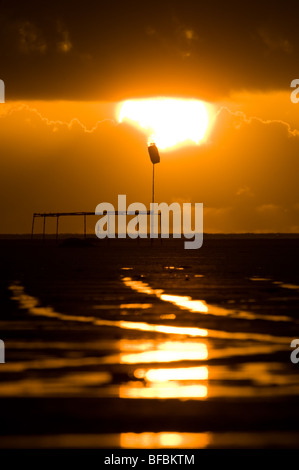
{"type": "Point", "coordinates": [129, 345]}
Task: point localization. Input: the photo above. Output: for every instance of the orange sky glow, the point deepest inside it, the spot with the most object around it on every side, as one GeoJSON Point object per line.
{"type": "Point", "coordinates": [239, 157]}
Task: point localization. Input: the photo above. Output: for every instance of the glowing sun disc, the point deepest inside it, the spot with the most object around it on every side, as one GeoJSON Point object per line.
{"type": "Point", "coordinates": [167, 121]}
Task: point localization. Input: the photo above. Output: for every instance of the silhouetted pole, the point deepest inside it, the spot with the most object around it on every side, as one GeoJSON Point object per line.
{"type": "Point", "coordinates": [153, 197]}
{"type": "Point", "coordinates": [155, 158]}
{"type": "Point", "coordinates": [33, 219]}
{"type": "Point", "coordinates": [84, 225]}
{"type": "Point", "coordinates": [57, 222]}
{"type": "Point", "coordinates": [44, 227]}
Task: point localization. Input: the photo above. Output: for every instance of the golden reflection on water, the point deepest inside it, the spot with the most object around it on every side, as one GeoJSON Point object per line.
{"type": "Point", "coordinates": [122, 306]}
{"type": "Point", "coordinates": [164, 382]}
{"type": "Point", "coordinates": [130, 440]}
{"type": "Point", "coordinates": [156, 440]}
{"type": "Point", "coordinates": [200, 306]}
{"type": "Point", "coordinates": [170, 389]}
{"type": "Point", "coordinates": [141, 287]}
{"type": "Point", "coordinates": [137, 306]}
{"type": "Point", "coordinates": [167, 382]}
{"type": "Point", "coordinates": [173, 268]}
{"type": "Point", "coordinates": [168, 351]}
{"type": "Point", "coordinates": [161, 380]}
{"type": "Point", "coordinates": [163, 375]}
{"type": "Point", "coordinates": [180, 301]}
{"type": "Point", "coordinates": [177, 330]}
{"type": "Point", "coordinates": [31, 304]}
{"type": "Point", "coordinates": [186, 302]}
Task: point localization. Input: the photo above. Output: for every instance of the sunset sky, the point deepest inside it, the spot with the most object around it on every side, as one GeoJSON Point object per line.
{"type": "Point", "coordinates": [68, 66]}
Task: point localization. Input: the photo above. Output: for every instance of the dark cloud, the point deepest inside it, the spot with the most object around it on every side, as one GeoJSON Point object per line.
{"type": "Point", "coordinates": [30, 39]}
{"type": "Point", "coordinates": [112, 50]}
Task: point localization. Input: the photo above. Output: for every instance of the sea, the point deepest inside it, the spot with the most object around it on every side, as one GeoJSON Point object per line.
{"type": "Point", "coordinates": [146, 345]}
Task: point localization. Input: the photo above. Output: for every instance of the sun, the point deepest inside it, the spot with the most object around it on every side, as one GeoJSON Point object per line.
{"type": "Point", "coordinates": [168, 122]}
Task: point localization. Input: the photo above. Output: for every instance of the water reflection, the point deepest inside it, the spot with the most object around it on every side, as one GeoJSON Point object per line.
{"type": "Point", "coordinates": [31, 304]}
{"type": "Point", "coordinates": [169, 389]}
{"type": "Point", "coordinates": [174, 268]}
{"type": "Point", "coordinates": [163, 375]}
{"type": "Point", "coordinates": [199, 306]}
{"type": "Point", "coordinates": [175, 330]}
{"type": "Point", "coordinates": [284, 285]}
{"type": "Point", "coordinates": [165, 382]}
{"type": "Point", "coordinates": [168, 351]}
{"type": "Point", "coordinates": [153, 360]}
{"type": "Point", "coordinates": [134, 306]}
{"type": "Point", "coordinates": [186, 302]}
{"type": "Point", "coordinates": [130, 440]}
{"type": "Point", "coordinates": [156, 440]}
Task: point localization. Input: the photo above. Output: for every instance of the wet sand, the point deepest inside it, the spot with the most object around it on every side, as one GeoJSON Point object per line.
{"type": "Point", "coordinates": [123, 344]}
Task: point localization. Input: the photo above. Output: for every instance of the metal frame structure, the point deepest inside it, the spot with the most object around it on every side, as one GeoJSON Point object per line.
{"type": "Point", "coordinates": [57, 215]}
{"type": "Point", "coordinates": [44, 215]}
